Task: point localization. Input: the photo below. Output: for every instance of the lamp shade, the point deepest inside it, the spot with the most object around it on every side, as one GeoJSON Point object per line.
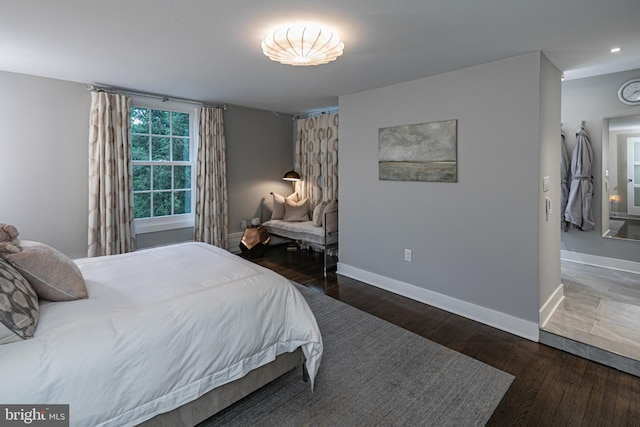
{"type": "Point", "coordinates": [302, 44]}
{"type": "Point", "coordinates": [291, 176]}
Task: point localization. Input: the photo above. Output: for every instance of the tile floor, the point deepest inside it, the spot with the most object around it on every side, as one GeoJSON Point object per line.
{"type": "Point", "coordinates": [601, 308]}
{"type": "Point", "coordinates": [624, 228]}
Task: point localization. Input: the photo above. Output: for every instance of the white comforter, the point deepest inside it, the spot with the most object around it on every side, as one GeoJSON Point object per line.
{"type": "Point", "coordinates": [161, 327]}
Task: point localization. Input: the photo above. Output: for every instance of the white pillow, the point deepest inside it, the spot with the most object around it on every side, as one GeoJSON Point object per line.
{"type": "Point", "coordinates": [317, 214]}
{"type": "Point", "coordinates": [332, 220]}
{"type": "Point", "coordinates": [296, 211]}
{"type": "Point", "coordinates": [278, 204]}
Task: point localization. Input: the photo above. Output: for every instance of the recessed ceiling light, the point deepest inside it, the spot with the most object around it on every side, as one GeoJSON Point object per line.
{"type": "Point", "coordinates": [616, 49]}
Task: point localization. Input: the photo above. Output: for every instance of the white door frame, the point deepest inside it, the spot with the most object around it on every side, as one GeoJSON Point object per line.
{"type": "Point", "coordinates": [633, 177]}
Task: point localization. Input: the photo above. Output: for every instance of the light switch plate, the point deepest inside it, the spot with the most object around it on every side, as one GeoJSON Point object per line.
{"type": "Point", "coordinates": [545, 184]}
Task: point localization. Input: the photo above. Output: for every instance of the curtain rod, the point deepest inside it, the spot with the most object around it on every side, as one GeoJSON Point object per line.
{"type": "Point", "coordinates": [164, 98]}
{"type": "Point", "coordinates": [316, 113]}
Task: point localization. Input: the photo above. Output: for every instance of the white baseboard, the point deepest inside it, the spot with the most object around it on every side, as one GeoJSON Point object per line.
{"type": "Point", "coordinates": [496, 319]}
{"type": "Point", "coordinates": [551, 304]}
{"type": "Point", "coordinates": [600, 261]}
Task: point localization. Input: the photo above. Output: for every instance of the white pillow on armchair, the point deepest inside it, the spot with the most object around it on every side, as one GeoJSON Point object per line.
{"type": "Point", "coordinates": [296, 211]}
{"type": "Point", "coordinates": [331, 220]}
{"type": "Point", "coordinates": [318, 211]}
{"type": "Point", "coordinates": [278, 204]}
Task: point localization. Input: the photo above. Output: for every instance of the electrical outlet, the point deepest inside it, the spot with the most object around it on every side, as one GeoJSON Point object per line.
{"type": "Point", "coordinates": [407, 255]}
{"type": "Point", "coordinates": [243, 223]}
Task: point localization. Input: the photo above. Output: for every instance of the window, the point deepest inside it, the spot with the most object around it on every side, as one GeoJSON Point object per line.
{"type": "Point", "coordinates": [162, 156]}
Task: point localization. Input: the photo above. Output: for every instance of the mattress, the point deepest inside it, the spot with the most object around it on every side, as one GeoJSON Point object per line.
{"type": "Point", "coordinates": [304, 231]}
{"type": "Point", "coordinates": [161, 327]}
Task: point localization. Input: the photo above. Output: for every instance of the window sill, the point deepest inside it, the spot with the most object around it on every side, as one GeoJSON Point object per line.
{"type": "Point", "coordinates": [153, 225]}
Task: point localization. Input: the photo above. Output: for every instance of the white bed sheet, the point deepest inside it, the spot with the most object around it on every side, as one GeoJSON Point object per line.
{"type": "Point", "coordinates": [161, 327]}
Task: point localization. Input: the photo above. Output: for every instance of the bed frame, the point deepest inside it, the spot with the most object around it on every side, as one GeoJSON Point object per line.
{"type": "Point", "coordinates": [209, 404]}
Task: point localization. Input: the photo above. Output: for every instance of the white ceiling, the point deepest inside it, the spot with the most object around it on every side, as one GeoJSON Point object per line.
{"type": "Point", "coordinates": [209, 50]}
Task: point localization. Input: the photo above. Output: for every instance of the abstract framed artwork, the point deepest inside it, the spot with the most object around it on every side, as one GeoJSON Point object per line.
{"type": "Point", "coordinates": [419, 152]}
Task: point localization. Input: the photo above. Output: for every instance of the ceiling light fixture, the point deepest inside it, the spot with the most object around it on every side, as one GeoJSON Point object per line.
{"type": "Point", "coordinates": [302, 45]}
{"type": "Point", "coordinates": [616, 49]}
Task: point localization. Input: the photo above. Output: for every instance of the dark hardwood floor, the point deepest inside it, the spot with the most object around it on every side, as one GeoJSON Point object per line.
{"type": "Point", "coordinates": [551, 387]}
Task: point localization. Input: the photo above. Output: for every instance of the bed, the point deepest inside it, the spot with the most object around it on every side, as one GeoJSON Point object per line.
{"type": "Point", "coordinates": [168, 335]}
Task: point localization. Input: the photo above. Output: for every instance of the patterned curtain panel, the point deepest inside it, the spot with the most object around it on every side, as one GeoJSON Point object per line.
{"type": "Point", "coordinates": [316, 158]}
{"type": "Point", "coordinates": [212, 217]}
{"type": "Point", "coordinates": [111, 214]}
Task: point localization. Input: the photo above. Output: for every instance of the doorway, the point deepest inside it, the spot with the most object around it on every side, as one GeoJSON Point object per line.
{"type": "Point", "coordinates": [601, 308]}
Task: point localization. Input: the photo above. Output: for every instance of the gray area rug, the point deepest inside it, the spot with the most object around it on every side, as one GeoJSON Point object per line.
{"type": "Point", "coordinates": [374, 373]}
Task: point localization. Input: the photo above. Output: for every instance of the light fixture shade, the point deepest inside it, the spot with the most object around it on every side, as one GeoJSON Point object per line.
{"type": "Point", "coordinates": [302, 44]}
{"type": "Point", "coordinates": [291, 176]}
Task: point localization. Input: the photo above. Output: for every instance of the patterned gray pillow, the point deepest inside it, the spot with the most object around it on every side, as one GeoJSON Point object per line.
{"type": "Point", "coordinates": [19, 310]}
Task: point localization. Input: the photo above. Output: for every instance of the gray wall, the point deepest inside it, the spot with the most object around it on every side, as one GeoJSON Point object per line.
{"type": "Point", "coordinates": [593, 99]}
{"type": "Point", "coordinates": [550, 143]}
{"type": "Point", "coordinates": [478, 240]}
{"type": "Point", "coordinates": [44, 129]}
{"type": "Point", "coordinates": [259, 152]}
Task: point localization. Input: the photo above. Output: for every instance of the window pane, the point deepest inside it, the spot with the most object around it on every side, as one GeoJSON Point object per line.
{"type": "Point", "coordinates": [160, 122]}
{"type": "Point", "coordinates": [139, 147]}
{"type": "Point", "coordinates": [181, 202]}
{"type": "Point", "coordinates": [141, 178]}
{"type": "Point", "coordinates": [160, 148]}
{"type": "Point", "coordinates": [182, 177]}
{"type": "Point", "coordinates": [139, 120]}
{"type": "Point", "coordinates": [162, 203]}
{"type": "Point", "coordinates": [180, 124]}
{"type": "Point", "coordinates": [162, 177]}
{"type": "Point", "coordinates": [142, 205]}
{"type": "Point", "coordinates": [181, 149]}
{"type": "Point", "coordinates": [159, 136]}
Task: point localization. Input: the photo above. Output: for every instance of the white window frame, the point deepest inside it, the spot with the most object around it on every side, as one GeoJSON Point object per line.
{"type": "Point", "coordinates": [171, 222]}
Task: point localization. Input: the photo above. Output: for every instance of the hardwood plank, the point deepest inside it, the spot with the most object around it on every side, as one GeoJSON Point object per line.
{"type": "Point", "coordinates": [596, 412]}
{"type": "Point", "coordinates": [551, 387]}
{"type": "Point", "coordinates": [576, 393]}
{"type": "Point", "coordinates": [621, 400]}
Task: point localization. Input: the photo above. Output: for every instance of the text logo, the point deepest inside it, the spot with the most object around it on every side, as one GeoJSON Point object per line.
{"type": "Point", "coordinates": [34, 415]}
